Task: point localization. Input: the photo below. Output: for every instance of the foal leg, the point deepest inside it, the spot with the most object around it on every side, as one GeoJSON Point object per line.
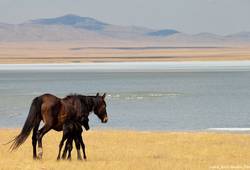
{"type": "Point", "coordinates": [77, 143]}
{"type": "Point", "coordinates": [40, 135]}
{"type": "Point", "coordinates": [83, 146]}
{"type": "Point", "coordinates": [70, 147]}
{"type": "Point", "coordinates": [66, 148]}
{"type": "Point", "coordinates": [60, 146]}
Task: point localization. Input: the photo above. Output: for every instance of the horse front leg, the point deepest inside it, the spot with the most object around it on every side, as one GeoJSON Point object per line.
{"type": "Point", "coordinates": [40, 135]}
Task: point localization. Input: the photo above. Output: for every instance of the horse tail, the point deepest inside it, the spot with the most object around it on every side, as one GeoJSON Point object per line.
{"type": "Point", "coordinates": [31, 121]}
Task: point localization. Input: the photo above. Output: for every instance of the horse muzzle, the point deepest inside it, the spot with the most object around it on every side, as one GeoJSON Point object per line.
{"type": "Point", "coordinates": [105, 120]}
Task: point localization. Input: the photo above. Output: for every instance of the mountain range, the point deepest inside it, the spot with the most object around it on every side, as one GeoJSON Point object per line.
{"type": "Point", "coordinates": [76, 28]}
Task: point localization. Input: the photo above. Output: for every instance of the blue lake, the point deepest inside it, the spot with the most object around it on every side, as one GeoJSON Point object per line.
{"type": "Point", "coordinates": [161, 101]}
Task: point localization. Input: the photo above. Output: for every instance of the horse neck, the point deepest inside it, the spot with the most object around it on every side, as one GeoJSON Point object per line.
{"type": "Point", "coordinates": [89, 103]}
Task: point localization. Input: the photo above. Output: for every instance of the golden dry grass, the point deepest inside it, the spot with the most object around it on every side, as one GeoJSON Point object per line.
{"type": "Point", "coordinates": [63, 52]}
{"type": "Point", "coordinates": [120, 150]}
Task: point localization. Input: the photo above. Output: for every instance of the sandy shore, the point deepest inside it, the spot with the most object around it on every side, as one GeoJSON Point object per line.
{"type": "Point", "coordinates": [133, 66]}
{"type": "Point", "coordinates": [111, 149]}
{"type": "Point", "coordinates": [77, 52]}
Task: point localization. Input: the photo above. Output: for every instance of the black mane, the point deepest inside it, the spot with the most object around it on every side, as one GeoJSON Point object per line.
{"type": "Point", "coordinates": [87, 102]}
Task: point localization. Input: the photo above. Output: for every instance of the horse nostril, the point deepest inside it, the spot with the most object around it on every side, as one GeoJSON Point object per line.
{"type": "Point", "coordinates": [105, 120]}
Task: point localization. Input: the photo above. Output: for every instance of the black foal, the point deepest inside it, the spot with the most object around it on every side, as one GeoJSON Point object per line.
{"type": "Point", "coordinates": [72, 130]}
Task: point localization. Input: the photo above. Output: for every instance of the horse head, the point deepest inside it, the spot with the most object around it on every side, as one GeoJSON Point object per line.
{"type": "Point", "coordinates": [85, 122]}
{"type": "Point", "coordinates": [100, 107]}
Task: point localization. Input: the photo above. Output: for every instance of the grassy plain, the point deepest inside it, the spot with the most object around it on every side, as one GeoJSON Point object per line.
{"type": "Point", "coordinates": [113, 149]}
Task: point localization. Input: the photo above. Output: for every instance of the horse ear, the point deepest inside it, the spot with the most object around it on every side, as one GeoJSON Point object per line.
{"type": "Point", "coordinates": [104, 95]}
{"type": "Point", "coordinates": [97, 94]}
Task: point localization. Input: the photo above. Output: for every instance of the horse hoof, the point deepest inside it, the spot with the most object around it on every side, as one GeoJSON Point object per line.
{"type": "Point", "coordinates": [63, 157]}
{"type": "Point", "coordinates": [39, 156]}
{"type": "Point", "coordinates": [40, 153]}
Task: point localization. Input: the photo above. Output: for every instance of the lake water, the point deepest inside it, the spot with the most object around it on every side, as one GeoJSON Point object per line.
{"type": "Point", "coordinates": [138, 101]}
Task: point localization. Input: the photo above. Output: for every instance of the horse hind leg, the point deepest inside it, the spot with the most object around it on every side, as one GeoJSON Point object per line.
{"type": "Point", "coordinates": [34, 140]}
{"type": "Point", "coordinates": [40, 135]}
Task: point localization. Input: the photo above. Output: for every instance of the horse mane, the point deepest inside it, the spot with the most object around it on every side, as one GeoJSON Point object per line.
{"type": "Point", "coordinates": [79, 96]}
{"type": "Point", "coordinates": [72, 95]}
{"type": "Point", "coordinates": [85, 100]}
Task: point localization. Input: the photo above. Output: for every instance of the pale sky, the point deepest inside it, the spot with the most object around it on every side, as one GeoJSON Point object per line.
{"type": "Point", "coordinates": [189, 16]}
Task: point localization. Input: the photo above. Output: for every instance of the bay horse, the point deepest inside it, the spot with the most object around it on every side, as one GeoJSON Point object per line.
{"type": "Point", "coordinates": [72, 130]}
{"type": "Point", "coordinates": [54, 111]}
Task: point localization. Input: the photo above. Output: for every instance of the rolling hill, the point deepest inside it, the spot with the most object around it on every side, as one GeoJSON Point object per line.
{"type": "Point", "coordinates": [76, 28]}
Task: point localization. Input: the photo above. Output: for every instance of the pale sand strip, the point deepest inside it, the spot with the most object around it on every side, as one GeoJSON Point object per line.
{"type": "Point", "coordinates": [235, 129]}
{"type": "Point", "coordinates": [77, 52]}
{"type": "Point", "coordinates": [134, 66]}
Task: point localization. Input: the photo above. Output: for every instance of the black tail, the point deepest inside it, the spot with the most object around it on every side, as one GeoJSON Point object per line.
{"type": "Point", "coordinates": [31, 121]}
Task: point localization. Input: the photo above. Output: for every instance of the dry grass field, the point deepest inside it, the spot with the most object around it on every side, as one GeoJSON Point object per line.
{"type": "Point", "coordinates": [111, 149]}
{"type": "Point", "coordinates": [76, 52]}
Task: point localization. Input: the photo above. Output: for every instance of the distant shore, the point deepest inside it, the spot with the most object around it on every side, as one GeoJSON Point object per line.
{"type": "Point", "coordinates": [115, 149]}
{"type": "Point", "coordinates": [79, 52]}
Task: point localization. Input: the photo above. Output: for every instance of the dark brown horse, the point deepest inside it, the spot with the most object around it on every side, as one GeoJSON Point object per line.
{"type": "Point", "coordinates": [54, 111]}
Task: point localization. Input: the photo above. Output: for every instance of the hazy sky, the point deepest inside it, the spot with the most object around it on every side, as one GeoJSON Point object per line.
{"type": "Point", "coordinates": [190, 16]}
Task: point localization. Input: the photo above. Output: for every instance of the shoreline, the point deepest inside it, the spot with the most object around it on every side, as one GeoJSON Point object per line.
{"type": "Point", "coordinates": [133, 66]}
